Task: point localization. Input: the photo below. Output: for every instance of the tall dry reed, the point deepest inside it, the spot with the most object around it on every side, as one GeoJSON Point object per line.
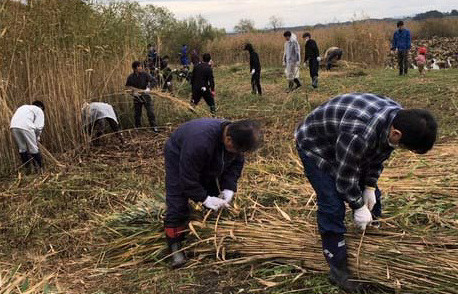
{"type": "Point", "coordinates": [362, 41]}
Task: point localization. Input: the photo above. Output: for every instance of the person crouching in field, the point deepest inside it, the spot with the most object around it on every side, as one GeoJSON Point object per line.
{"type": "Point", "coordinates": [331, 56]}
{"type": "Point", "coordinates": [421, 60]}
{"type": "Point", "coordinates": [95, 116]}
{"type": "Point", "coordinates": [26, 126]}
{"type": "Point", "coordinates": [255, 70]}
{"type": "Point", "coordinates": [203, 159]}
{"type": "Point", "coordinates": [291, 60]}
{"type": "Point", "coordinates": [312, 56]}
{"type": "Point", "coordinates": [203, 83]}
{"type": "Point", "coordinates": [343, 144]}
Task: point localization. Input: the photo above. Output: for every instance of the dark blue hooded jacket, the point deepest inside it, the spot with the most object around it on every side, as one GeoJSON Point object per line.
{"type": "Point", "coordinates": [195, 159]}
{"type": "Point", "coordinates": [401, 40]}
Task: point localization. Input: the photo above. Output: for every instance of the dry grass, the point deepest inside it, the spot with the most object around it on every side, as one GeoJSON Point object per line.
{"type": "Point", "coordinates": [364, 42]}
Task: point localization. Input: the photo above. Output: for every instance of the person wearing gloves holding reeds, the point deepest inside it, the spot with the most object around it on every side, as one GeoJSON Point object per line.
{"type": "Point", "coordinates": [203, 83]}
{"type": "Point", "coordinates": [139, 82]}
{"type": "Point", "coordinates": [26, 126]}
{"type": "Point", "coordinates": [291, 60]}
{"type": "Point", "coordinates": [402, 42]}
{"type": "Point", "coordinates": [255, 70]}
{"type": "Point", "coordinates": [203, 162]}
{"type": "Point", "coordinates": [312, 56]}
{"type": "Point", "coordinates": [95, 115]}
{"type": "Point", "coordinates": [343, 144]}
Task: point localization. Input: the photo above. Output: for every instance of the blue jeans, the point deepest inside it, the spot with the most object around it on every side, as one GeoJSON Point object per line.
{"type": "Point", "coordinates": [331, 205]}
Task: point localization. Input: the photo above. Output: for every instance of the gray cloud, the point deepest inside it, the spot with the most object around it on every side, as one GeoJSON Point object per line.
{"type": "Point", "coordinates": [226, 13]}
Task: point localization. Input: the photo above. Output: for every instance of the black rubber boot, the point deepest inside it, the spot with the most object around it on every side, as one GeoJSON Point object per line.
{"type": "Point", "coordinates": [178, 256]}
{"type": "Point", "coordinates": [25, 159]}
{"type": "Point", "coordinates": [290, 86]}
{"type": "Point", "coordinates": [298, 83]}
{"type": "Point", "coordinates": [315, 82]}
{"type": "Point", "coordinates": [213, 109]}
{"type": "Point", "coordinates": [37, 162]}
{"type": "Point", "coordinates": [341, 277]}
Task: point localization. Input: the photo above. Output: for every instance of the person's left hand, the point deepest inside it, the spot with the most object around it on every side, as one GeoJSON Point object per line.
{"type": "Point", "coordinates": [369, 197]}
{"type": "Point", "coordinates": [253, 71]}
{"type": "Point", "coordinates": [227, 195]}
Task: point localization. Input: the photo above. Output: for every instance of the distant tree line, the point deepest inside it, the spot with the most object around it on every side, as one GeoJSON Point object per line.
{"type": "Point", "coordinates": [435, 14]}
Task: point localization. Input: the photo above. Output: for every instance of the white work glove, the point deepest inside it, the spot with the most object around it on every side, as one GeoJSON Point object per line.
{"type": "Point", "coordinates": [283, 63]}
{"type": "Point", "coordinates": [369, 197]}
{"type": "Point", "coordinates": [362, 217]}
{"type": "Point", "coordinates": [253, 71]}
{"type": "Point", "coordinates": [227, 195]}
{"type": "Point", "coordinates": [214, 203]}
{"type": "Point", "coordinates": [147, 90]}
{"type": "Point", "coordinates": [203, 89]}
{"type": "Point", "coordinates": [318, 59]}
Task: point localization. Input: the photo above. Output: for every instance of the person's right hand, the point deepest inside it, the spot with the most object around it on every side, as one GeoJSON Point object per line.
{"type": "Point", "coordinates": [362, 217]}
{"type": "Point", "coordinates": [214, 203]}
{"type": "Point", "coordinates": [253, 71]}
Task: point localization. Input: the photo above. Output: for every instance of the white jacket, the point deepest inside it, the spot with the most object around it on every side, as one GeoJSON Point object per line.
{"type": "Point", "coordinates": [292, 51]}
{"type": "Point", "coordinates": [30, 118]}
{"type": "Point", "coordinates": [96, 111]}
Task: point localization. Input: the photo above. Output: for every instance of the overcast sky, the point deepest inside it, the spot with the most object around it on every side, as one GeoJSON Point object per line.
{"type": "Point", "coordinates": [226, 13]}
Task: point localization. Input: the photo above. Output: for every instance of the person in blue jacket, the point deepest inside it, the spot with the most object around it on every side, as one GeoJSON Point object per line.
{"type": "Point", "coordinates": [203, 161]}
{"type": "Point", "coordinates": [184, 55]}
{"type": "Point", "coordinates": [401, 44]}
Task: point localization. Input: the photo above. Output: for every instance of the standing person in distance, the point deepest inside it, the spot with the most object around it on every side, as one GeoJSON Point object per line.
{"type": "Point", "coordinates": [255, 70]}
{"type": "Point", "coordinates": [291, 60]}
{"type": "Point", "coordinates": [203, 83]}
{"type": "Point", "coordinates": [312, 56]}
{"type": "Point", "coordinates": [184, 56]}
{"type": "Point", "coordinates": [139, 82]}
{"type": "Point", "coordinates": [402, 42]}
{"type": "Point", "coordinates": [26, 126]}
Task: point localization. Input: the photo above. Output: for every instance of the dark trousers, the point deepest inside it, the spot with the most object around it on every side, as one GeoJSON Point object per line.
{"type": "Point", "coordinates": [403, 61]}
{"type": "Point", "coordinates": [97, 129]}
{"type": "Point", "coordinates": [178, 212]}
{"type": "Point", "coordinates": [198, 94]}
{"type": "Point", "coordinates": [331, 211]}
{"type": "Point", "coordinates": [313, 66]}
{"type": "Point", "coordinates": [256, 83]}
{"type": "Point", "coordinates": [147, 102]}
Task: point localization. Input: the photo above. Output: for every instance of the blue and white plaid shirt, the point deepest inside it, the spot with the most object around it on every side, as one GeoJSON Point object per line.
{"type": "Point", "coordinates": [348, 137]}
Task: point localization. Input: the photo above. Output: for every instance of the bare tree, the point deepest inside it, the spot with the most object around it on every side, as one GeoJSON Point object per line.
{"type": "Point", "coordinates": [275, 22]}
{"type": "Point", "coordinates": [244, 26]}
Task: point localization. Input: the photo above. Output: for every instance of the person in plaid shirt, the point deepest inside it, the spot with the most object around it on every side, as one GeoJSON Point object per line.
{"type": "Point", "coordinates": [343, 144]}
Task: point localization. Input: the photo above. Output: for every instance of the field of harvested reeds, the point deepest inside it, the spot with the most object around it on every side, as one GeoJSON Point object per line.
{"type": "Point", "coordinates": [94, 224]}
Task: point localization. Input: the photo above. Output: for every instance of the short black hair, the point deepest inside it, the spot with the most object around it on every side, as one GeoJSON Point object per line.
{"type": "Point", "coordinates": [400, 23]}
{"type": "Point", "coordinates": [418, 128]}
{"type": "Point", "coordinates": [246, 135]}
{"type": "Point", "coordinates": [39, 104]}
{"type": "Point", "coordinates": [287, 34]}
{"type": "Point", "coordinates": [248, 47]}
{"type": "Point", "coordinates": [206, 57]}
{"type": "Point", "coordinates": [165, 57]}
{"type": "Point", "coordinates": [306, 34]}
{"type": "Point", "coordinates": [149, 45]}
{"type": "Point", "coordinates": [136, 64]}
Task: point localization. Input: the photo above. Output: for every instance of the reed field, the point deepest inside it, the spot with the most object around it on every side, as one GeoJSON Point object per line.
{"type": "Point", "coordinates": [92, 222]}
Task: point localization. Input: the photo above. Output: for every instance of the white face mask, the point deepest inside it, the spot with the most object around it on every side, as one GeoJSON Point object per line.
{"type": "Point", "coordinates": [394, 146]}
